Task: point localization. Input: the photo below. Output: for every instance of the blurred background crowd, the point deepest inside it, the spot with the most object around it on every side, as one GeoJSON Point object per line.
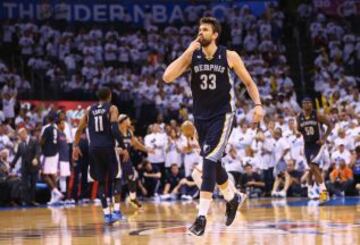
{"type": "Point", "coordinates": [59, 61]}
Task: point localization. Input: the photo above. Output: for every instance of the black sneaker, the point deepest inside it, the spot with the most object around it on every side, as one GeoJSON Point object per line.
{"type": "Point", "coordinates": [198, 228]}
{"type": "Point", "coordinates": [231, 208]}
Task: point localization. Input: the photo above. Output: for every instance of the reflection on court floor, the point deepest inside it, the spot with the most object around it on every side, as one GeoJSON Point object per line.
{"type": "Point", "coordinates": [262, 221]}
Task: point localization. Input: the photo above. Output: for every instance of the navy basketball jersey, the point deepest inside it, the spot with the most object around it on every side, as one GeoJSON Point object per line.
{"type": "Point", "coordinates": [49, 137]}
{"type": "Point", "coordinates": [211, 85]}
{"type": "Point", "coordinates": [127, 140]}
{"type": "Point", "coordinates": [64, 154]}
{"type": "Point", "coordinates": [99, 126]}
{"type": "Point", "coordinates": [309, 127]}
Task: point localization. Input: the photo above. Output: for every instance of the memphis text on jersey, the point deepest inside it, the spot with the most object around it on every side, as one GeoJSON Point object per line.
{"type": "Point", "coordinates": [308, 123]}
{"type": "Point", "coordinates": [209, 67]}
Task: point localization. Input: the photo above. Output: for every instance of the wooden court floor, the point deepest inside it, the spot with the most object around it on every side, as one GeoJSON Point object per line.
{"type": "Point", "coordinates": [266, 221]}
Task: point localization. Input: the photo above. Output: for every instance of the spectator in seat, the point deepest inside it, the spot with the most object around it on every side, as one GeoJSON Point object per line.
{"type": "Point", "coordinates": [290, 181]}
{"type": "Point", "coordinates": [251, 182]}
{"type": "Point", "coordinates": [29, 150]}
{"type": "Point", "coordinates": [341, 179]}
{"type": "Point", "coordinates": [150, 181]}
{"type": "Point", "coordinates": [177, 185]}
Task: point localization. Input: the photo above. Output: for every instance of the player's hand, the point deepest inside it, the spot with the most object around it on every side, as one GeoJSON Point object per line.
{"type": "Point", "coordinates": [258, 114]}
{"type": "Point", "coordinates": [76, 153]}
{"type": "Point", "coordinates": [125, 155]}
{"type": "Point", "coordinates": [194, 45]}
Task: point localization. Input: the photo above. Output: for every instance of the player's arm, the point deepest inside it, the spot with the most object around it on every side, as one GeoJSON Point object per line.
{"type": "Point", "coordinates": [82, 125]}
{"type": "Point", "coordinates": [179, 66]}
{"type": "Point", "coordinates": [114, 113]}
{"type": "Point", "coordinates": [236, 63]}
{"type": "Point", "coordinates": [329, 126]}
{"type": "Point", "coordinates": [138, 145]}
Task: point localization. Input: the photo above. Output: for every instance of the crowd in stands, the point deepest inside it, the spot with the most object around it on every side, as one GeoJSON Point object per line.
{"type": "Point", "coordinates": [336, 48]}
{"type": "Point", "coordinates": [79, 60]}
{"type": "Point", "coordinates": [132, 63]}
{"type": "Point", "coordinates": [252, 155]}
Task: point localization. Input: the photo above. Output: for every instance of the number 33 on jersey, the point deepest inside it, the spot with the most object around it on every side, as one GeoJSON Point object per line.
{"type": "Point", "coordinates": [211, 84]}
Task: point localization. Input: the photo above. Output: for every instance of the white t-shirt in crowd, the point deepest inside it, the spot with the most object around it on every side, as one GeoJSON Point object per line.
{"type": "Point", "coordinates": [232, 164]}
{"type": "Point", "coordinates": [172, 152]}
{"type": "Point", "coordinates": [337, 155]}
{"type": "Point", "coordinates": [9, 107]}
{"type": "Point", "coordinates": [156, 141]}
{"type": "Point", "coordinates": [281, 146]}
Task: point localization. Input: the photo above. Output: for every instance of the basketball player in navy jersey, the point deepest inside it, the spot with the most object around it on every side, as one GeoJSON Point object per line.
{"type": "Point", "coordinates": [101, 120]}
{"type": "Point", "coordinates": [214, 108]}
{"type": "Point", "coordinates": [50, 152]}
{"type": "Point", "coordinates": [127, 166]}
{"type": "Point", "coordinates": [309, 123]}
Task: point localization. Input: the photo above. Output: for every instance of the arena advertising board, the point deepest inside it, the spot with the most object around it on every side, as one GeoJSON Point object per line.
{"type": "Point", "coordinates": [114, 11]}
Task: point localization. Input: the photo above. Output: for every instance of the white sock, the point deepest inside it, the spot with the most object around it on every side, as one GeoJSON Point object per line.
{"type": "Point", "coordinates": [106, 210]}
{"type": "Point", "coordinates": [228, 192]}
{"type": "Point", "coordinates": [63, 184]}
{"type": "Point", "coordinates": [116, 207]}
{"type": "Point", "coordinates": [132, 195]}
{"type": "Point", "coordinates": [204, 206]}
{"type": "Point", "coordinates": [322, 186]}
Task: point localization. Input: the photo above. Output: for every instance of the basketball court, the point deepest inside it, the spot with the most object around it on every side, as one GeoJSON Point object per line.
{"type": "Point", "coordinates": [262, 221]}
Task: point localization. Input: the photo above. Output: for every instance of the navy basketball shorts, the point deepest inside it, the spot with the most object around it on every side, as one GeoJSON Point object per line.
{"type": "Point", "coordinates": [104, 163]}
{"type": "Point", "coordinates": [314, 153]}
{"type": "Point", "coordinates": [214, 134]}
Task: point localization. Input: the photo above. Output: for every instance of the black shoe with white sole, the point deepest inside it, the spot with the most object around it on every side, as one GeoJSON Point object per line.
{"type": "Point", "coordinates": [231, 209]}
{"type": "Point", "coordinates": [198, 228]}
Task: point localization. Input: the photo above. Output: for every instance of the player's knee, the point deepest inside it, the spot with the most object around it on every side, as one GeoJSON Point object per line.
{"type": "Point", "coordinates": [221, 174]}
{"type": "Point", "coordinates": [209, 176]}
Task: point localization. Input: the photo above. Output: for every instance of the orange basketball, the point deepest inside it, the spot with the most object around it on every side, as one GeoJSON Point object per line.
{"type": "Point", "coordinates": [188, 129]}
